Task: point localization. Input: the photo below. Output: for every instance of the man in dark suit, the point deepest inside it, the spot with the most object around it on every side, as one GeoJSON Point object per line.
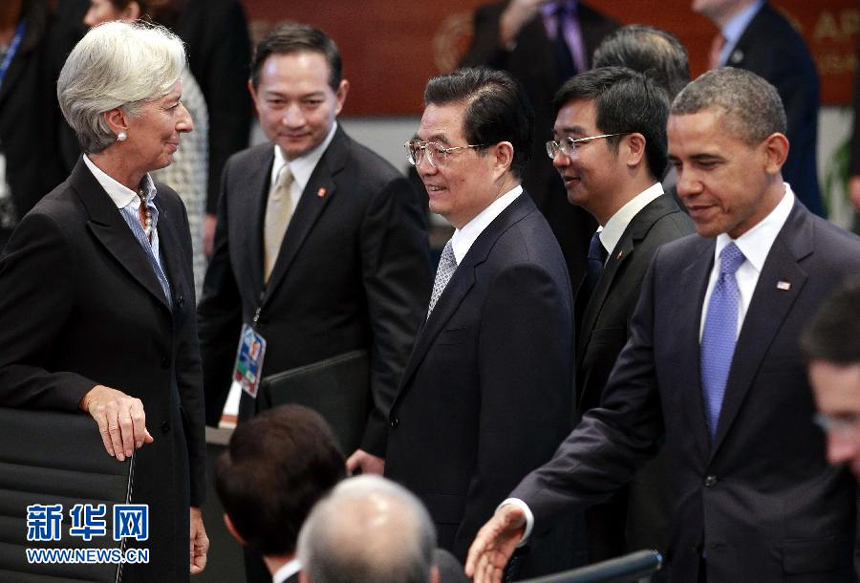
{"type": "Point", "coordinates": [756, 37]}
{"type": "Point", "coordinates": [713, 367]}
{"type": "Point", "coordinates": [486, 395]}
{"type": "Point", "coordinates": [615, 178]}
{"type": "Point", "coordinates": [276, 467]}
{"type": "Point", "coordinates": [522, 37]}
{"type": "Point", "coordinates": [321, 245]}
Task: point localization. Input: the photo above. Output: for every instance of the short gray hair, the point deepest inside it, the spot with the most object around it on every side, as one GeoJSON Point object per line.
{"type": "Point", "coordinates": [368, 530]}
{"type": "Point", "coordinates": [752, 107]}
{"type": "Point", "coordinates": [117, 64]}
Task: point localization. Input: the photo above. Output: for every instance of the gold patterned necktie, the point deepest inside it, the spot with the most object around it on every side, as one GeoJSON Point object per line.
{"type": "Point", "coordinates": [279, 209]}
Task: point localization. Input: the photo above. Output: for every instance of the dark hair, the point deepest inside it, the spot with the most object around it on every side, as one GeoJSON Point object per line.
{"type": "Point", "coordinates": [626, 102]}
{"type": "Point", "coordinates": [296, 38]}
{"type": "Point", "coordinates": [833, 334]}
{"type": "Point", "coordinates": [649, 50]}
{"type": "Point", "coordinates": [497, 109]}
{"type": "Point", "coordinates": [277, 466]}
{"type": "Point", "coordinates": [752, 109]}
{"type": "Point", "coordinates": [164, 12]}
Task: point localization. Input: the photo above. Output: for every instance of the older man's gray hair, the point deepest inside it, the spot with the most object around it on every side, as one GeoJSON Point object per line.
{"type": "Point", "coordinates": [369, 530]}
{"type": "Point", "coordinates": [117, 64]}
{"type": "Point", "coordinates": [751, 107]}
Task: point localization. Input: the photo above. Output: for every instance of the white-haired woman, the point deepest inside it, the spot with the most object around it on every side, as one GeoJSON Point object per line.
{"type": "Point", "coordinates": [96, 287]}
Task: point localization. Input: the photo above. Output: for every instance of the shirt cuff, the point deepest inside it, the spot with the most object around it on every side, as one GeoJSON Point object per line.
{"type": "Point", "coordinates": [530, 518]}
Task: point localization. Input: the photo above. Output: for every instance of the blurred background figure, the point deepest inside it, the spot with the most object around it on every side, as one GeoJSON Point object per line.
{"type": "Point", "coordinates": [189, 171]}
{"type": "Point", "coordinates": [29, 166]}
{"type": "Point", "coordinates": [542, 43]}
{"type": "Point", "coordinates": [96, 287]}
{"type": "Point", "coordinates": [831, 345]}
{"type": "Point", "coordinates": [756, 37]}
{"type": "Point", "coordinates": [368, 530]}
{"type": "Point", "coordinates": [277, 466]}
{"type": "Point", "coordinates": [854, 163]}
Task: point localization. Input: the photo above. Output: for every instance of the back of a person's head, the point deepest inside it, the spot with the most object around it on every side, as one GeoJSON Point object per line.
{"type": "Point", "coordinates": [648, 50]}
{"type": "Point", "coordinates": [277, 466]}
{"type": "Point", "coordinates": [833, 334]}
{"type": "Point", "coordinates": [369, 530]}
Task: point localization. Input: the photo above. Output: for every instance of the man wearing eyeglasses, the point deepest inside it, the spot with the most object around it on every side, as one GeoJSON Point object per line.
{"type": "Point", "coordinates": [486, 395]}
{"type": "Point", "coordinates": [712, 372]}
{"type": "Point", "coordinates": [610, 150]}
{"type": "Point", "coordinates": [831, 346]}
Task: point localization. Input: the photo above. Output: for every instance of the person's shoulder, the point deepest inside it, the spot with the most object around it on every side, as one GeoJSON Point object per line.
{"type": "Point", "coordinates": [365, 161]}
{"type": "Point", "coordinates": [252, 156]}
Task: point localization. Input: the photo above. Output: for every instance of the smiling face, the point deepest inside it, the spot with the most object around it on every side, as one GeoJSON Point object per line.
{"type": "Point", "coordinates": [463, 185]}
{"type": "Point", "coordinates": [296, 104]}
{"type": "Point", "coordinates": [153, 134]}
{"type": "Point", "coordinates": [727, 185]}
{"type": "Point", "coordinates": [592, 174]}
{"type": "Point", "coordinates": [837, 394]}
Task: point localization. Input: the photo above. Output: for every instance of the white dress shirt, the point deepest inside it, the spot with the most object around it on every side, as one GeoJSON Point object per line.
{"type": "Point", "coordinates": [286, 571]}
{"type": "Point", "coordinates": [301, 168]}
{"type": "Point", "coordinates": [463, 239]}
{"type": "Point", "coordinates": [611, 233]}
{"type": "Point", "coordinates": [755, 244]}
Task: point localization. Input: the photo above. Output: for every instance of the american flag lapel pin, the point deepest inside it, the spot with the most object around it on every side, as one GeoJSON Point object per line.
{"type": "Point", "coordinates": [321, 192]}
{"type": "Point", "coordinates": [783, 285]}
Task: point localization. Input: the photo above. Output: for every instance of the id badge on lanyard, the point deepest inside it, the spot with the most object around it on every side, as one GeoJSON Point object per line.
{"type": "Point", "coordinates": [249, 358]}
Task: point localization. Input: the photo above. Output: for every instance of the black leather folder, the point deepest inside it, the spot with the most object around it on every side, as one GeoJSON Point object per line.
{"type": "Point", "coordinates": [338, 388]}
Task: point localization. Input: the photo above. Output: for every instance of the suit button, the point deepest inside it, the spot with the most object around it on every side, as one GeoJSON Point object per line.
{"type": "Point", "coordinates": [165, 363]}
{"type": "Point", "coordinates": [710, 481]}
{"type": "Point", "coordinates": [395, 422]}
{"type": "Point", "coordinates": [165, 426]}
{"type": "Point", "coordinates": [181, 301]}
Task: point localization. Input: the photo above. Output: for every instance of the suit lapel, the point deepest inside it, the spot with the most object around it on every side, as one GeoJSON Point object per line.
{"type": "Point", "coordinates": [767, 311]}
{"type": "Point", "coordinates": [252, 232]}
{"type": "Point", "coordinates": [109, 228]}
{"type": "Point", "coordinates": [462, 281]}
{"type": "Point", "coordinates": [319, 190]}
{"type": "Point", "coordinates": [694, 280]}
{"type": "Point", "coordinates": [170, 245]}
{"type": "Point", "coordinates": [635, 232]}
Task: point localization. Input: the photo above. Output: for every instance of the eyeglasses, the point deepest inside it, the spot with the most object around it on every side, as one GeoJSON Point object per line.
{"type": "Point", "coordinates": [837, 425]}
{"type": "Point", "coordinates": [437, 154]}
{"type": "Point", "coordinates": [568, 144]}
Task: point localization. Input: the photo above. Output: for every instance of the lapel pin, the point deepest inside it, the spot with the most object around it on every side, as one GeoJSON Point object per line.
{"type": "Point", "coordinates": [783, 285]}
{"type": "Point", "coordinates": [620, 254]}
{"type": "Point", "coordinates": [321, 192]}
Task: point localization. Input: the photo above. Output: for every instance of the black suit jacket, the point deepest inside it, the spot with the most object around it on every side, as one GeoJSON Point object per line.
{"type": "Point", "coordinates": [486, 395]}
{"type": "Point", "coordinates": [353, 272]}
{"type": "Point", "coordinates": [771, 48]}
{"type": "Point", "coordinates": [532, 62]}
{"type": "Point", "coordinates": [80, 305]}
{"type": "Point", "coordinates": [636, 518]}
{"type": "Point", "coordinates": [760, 502]}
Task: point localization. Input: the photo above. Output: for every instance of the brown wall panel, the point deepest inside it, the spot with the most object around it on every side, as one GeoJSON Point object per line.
{"type": "Point", "coordinates": [391, 47]}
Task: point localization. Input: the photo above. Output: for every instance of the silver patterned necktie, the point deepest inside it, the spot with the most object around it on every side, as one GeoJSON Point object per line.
{"type": "Point", "coordinates": [447, 266]}
{"type": "Point", "coordinates": [279, 209]}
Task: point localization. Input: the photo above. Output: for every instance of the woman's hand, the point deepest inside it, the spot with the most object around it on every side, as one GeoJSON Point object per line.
{"type": "Point", "coordinates": [121, 420]}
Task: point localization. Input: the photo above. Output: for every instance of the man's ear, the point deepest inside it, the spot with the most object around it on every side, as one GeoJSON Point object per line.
{"type": "Point", "coordinates": [775, 148]}
{"type": "Point", "coordinates": [504, 157]}
{"type": "Point", "coordinates": [636, 149]}
{"type": "Point", "coordinates": [434, 574]}
{"type": "Point", "coordinates": [340, 95]}
{"type": "Point", "coordinates": [232, 529]}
